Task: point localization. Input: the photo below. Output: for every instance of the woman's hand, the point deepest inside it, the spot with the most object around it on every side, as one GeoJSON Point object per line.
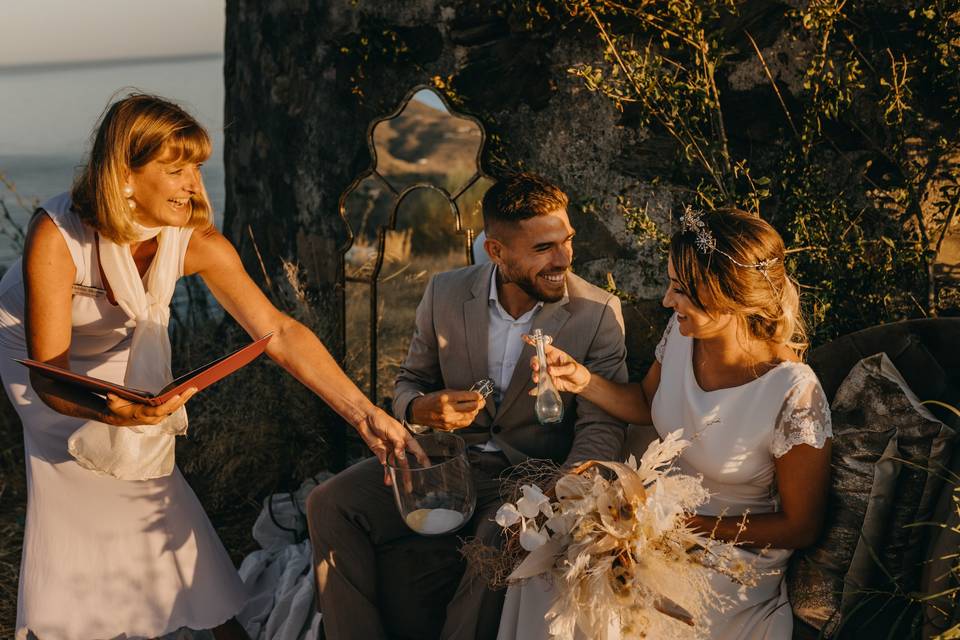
{"type": "Point", "coordinates": [124, 413]}
{"type": "Point", "coordinates": [383, 435]}
{"type": "Point", "coordinates": [568, 374]}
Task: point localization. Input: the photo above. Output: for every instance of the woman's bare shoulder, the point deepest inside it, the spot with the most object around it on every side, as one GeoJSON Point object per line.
{"type": "Point", "coordinates": [208, 248]}
{"type": "Point", "coordinates": [45, 240]}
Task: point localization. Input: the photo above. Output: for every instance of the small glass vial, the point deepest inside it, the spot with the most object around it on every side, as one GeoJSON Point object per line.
{"type": "Point", "coordinates": [549, 405]}
{"type": "Point", "coordinates": [484, 387]}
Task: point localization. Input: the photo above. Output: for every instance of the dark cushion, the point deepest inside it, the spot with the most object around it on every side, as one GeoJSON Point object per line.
{"type": "Point", "coordinates": [939, 576]}
{"type": "Point", "coordinates": [925, 352]}
{"type": "Point", "coordinates": [884, 441]}
{"type": "Point", "coordinates": [862, 480]}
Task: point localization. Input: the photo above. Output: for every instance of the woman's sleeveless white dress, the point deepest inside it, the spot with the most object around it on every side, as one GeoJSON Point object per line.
{"type": "Point", "coordinates": [736, 434]}
{"type": "Point", "coordinates": [103, 558]}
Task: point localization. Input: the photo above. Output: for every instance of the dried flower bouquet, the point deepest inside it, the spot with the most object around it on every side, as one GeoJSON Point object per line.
{"type": "Point", "coordinates": [621, 549]}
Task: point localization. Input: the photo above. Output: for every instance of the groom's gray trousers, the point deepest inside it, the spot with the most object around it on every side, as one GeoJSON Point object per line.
{"type": "Point", "coordinates": [358, 538]}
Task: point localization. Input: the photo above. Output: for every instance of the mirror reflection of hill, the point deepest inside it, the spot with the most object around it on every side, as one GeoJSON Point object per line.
{"type": "Point", "coordinates": [426, 144]}
{"type": "Point", "coordinates": [423, 144]}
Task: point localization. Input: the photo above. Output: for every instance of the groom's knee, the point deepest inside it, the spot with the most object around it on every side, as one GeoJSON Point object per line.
{"type": "Point", "coordinates": [326, 510]}
{"type": "Point", "coordinates": [318, 501]}
{"type": "Point", "coordinates": [346, 490]}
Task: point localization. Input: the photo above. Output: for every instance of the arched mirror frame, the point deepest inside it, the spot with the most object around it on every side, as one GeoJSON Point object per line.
{"type": "Point", "coordinates": [399, 195]}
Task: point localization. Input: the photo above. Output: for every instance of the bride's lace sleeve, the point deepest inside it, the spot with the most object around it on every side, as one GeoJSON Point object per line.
{"type": "Point", "coordinates": [662, 345]}
{"type": "Point", "coordinates": [804, 418]}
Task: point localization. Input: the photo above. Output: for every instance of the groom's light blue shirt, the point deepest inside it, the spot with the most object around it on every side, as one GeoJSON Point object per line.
{"type": "Point", "coordinates": [504, 344]}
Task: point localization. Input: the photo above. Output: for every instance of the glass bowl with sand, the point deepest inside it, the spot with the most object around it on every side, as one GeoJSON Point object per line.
{"type": "Point", "coordinates": [438, 498]}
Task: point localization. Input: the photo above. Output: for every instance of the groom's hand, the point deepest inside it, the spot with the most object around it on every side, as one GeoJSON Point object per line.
{"type": "Point", "coordinates": [447, 410]}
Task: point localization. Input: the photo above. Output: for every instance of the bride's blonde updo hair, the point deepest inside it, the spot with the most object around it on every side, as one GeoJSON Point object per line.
{"type": "Point", "coordinates": [134, 131]}
{"type": "Point", "coordinates": [729, 261]}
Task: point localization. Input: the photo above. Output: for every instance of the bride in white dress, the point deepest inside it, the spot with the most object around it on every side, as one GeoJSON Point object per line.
{"type": "Point", "coordinates": [728, 373]}
{"type": "Point", "coordinates": [116, 544]}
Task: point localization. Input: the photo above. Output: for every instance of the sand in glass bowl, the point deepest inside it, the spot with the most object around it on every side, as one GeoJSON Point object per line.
{"type": "Point", "coordinates": [436, 499]}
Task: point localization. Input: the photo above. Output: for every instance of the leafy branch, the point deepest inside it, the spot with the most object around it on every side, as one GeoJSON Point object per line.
{"type": "Point", "coordinates": [862, 179]}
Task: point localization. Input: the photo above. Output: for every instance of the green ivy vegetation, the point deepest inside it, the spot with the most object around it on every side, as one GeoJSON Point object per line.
{"type": "Point", "coordinates": [846, 139]}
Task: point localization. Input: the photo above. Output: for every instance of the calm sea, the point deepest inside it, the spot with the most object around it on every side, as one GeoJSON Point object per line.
{"type": "Point", "coordinates": [48, 112]}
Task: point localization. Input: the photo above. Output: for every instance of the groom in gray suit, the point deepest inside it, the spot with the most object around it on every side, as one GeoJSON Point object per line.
{"type": "Point", "coordinates": [469, 326]}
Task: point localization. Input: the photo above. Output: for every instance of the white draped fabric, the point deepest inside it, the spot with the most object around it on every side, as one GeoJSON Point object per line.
{"type": "Point", "coordinates": [147, 451]}
{"type": "Point", "coordinates": [280, 576]}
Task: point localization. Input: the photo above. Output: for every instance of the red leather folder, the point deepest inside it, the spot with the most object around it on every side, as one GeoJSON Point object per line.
{"type": "Point", "coordinates": [200, 378]}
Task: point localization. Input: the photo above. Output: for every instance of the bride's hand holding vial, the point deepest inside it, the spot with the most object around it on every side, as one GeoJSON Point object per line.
{"type": "Point", "coordinates": [567, 374]}
{"type": "Point", "coordinates": [549, 404]}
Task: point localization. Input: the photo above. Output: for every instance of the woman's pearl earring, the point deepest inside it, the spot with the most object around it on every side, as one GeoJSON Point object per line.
{"type": "Point", "coordinates": [128, 194]}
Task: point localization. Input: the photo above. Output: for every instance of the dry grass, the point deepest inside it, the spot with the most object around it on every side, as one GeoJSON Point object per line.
{"type": "Point", "coordinates": [401, 286]}
{"type": "Point", "coordinates": [13, 482]}
{"type": "Point", "coordinates": [13, 498]}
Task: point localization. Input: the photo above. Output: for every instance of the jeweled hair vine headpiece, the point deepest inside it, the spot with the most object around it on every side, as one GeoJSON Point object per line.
{"type": "Point", "coordinates": [692, 222]}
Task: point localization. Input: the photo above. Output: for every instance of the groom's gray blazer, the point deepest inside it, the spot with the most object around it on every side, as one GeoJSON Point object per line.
{"type": "Point", "coordinates": [449, 350]}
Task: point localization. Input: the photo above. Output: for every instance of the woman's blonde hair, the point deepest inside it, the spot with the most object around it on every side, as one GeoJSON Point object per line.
{"type": "Point", "coordinates": [132, 132]}
{"type": "Point", "coordinates": [730, 261]}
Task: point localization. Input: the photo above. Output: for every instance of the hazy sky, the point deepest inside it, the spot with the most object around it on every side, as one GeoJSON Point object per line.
{"type": "Point", "coordinates": [43, 31]}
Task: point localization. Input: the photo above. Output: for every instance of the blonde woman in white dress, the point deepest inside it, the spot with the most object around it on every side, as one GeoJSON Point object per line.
{"type": "Point", "coordinates": [728, 372]}
{"type": "Point", "coordinates": [116, 544]}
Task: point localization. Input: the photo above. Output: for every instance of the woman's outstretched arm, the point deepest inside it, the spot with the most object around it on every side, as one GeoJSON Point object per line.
{"type": "Point", "coordinates": [293, 346]}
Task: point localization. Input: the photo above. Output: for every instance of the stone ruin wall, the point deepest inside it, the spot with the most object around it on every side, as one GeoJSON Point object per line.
{"type": "Point", "coordinates": [304, 80]}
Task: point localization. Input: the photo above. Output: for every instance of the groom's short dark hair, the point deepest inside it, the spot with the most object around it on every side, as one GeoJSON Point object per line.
{"type": "Point", "coordinates": [521, 196]}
